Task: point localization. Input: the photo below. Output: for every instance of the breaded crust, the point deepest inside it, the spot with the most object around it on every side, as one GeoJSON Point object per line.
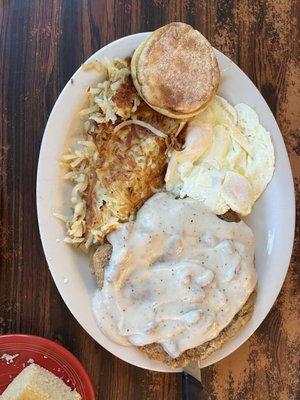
{"type": "Point", "coordinates": [175, 70]}
{"type": "Point", "coordinates": [100, 260]}
{"type": "Point", "coordinates": [155, 351]}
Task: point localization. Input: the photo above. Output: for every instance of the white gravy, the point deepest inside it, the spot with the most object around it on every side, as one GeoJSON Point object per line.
{"type": "Point", "coordinates": [177, 276]}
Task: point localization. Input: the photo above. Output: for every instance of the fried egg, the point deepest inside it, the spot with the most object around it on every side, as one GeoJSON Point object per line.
{"type": "Point", "coordinates": [227, 161]}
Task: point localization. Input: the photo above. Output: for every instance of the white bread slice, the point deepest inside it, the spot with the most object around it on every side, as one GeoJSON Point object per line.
{"type": "Point", "coordinates": [37, 383]}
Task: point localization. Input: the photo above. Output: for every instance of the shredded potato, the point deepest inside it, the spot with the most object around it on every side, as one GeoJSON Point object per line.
{"type": "Point", "coordinates": [121, 159]}
{"type": "Point", "coordinates": [102, 106]}
{"type": "Point", "coordinates": [143, 124]}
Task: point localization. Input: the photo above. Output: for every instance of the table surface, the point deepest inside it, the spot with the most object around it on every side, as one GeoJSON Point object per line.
{"type": "Point", "coordinates": [42, 43]}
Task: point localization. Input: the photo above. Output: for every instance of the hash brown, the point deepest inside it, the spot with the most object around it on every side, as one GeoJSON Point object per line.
{"type": "Point", "coordinates": [118, 170]}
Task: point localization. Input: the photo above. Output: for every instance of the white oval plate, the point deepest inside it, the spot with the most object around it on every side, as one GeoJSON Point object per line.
{"type": "Point", "coordinates": [272, 219]}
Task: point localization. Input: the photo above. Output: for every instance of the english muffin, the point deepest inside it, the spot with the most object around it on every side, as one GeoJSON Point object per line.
{"type": "Point", "coordinates": [176, 71]}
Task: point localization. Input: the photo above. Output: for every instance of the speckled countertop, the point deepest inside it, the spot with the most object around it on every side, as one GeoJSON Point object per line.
{"type": "Point", "coordinates": [42, 43]}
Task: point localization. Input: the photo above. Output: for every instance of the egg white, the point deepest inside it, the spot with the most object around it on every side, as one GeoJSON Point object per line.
{"type": "Point", "coordinates": [228, 159]}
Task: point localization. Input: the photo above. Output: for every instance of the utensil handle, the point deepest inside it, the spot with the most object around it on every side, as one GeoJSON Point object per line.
{"type": "Point", "coordinates": [192, 389]}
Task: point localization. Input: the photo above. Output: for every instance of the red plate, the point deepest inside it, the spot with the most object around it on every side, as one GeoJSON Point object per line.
{"type": "Point", "coordinates": [47, 354]}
